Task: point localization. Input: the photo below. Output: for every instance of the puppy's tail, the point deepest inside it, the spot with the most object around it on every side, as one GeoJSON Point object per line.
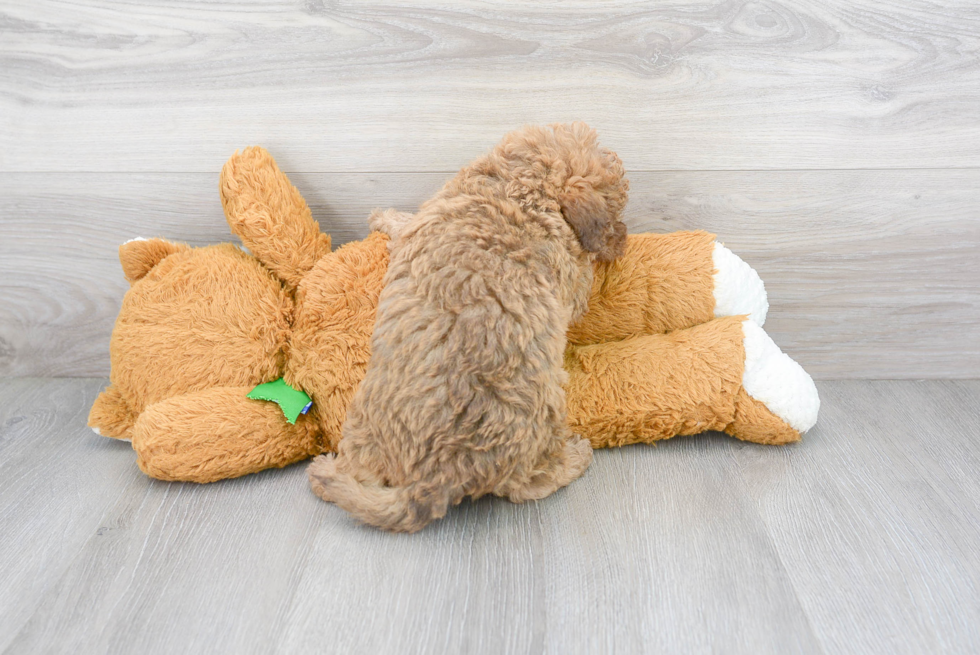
{"type": "Point", "coordinates": [399, 509]}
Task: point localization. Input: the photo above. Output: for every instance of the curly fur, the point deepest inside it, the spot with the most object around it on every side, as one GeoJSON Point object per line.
{"type": "Point", "coordinates": [463, 394]}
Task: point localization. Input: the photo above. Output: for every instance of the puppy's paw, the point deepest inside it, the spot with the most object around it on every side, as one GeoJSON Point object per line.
{"type": "Point", "coordinates": [578, 453]}
{"type": "Point", "coordinates": [322, 471]}
{"type": "Point", "coordinates": [738, 288]}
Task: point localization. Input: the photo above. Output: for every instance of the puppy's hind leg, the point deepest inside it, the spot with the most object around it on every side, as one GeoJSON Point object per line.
{"type": "Point", "coordinates": [571, 462]}
{"type": "Point", "coordinates": [399, 509]}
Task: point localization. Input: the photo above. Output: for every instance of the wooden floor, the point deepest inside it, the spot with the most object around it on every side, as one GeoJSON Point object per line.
{"type": "Point", "coordinates": [864, 538]}
{"type": "Point", "coordinates": [834, 145]}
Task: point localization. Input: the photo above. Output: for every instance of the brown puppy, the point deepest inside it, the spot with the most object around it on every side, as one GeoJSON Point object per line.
{"type": "Point", "coordinates": [463, 394]}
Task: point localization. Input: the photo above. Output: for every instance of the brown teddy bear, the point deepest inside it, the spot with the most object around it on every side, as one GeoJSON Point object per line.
{"type": "Point", "coordinates": [671, 345]}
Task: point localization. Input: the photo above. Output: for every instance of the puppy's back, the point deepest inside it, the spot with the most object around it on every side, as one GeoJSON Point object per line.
{"type": "Point", "coordinates": [466, 352]}
{"type": "Point", "coordinates": [463, 394]}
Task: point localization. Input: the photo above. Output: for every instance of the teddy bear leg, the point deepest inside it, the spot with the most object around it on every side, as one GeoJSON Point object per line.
{"type": "Point", "coordinates": [111, 415]}
{"type": "Point", "coordinates": [721, 375]}
{"type": "Point", "coordinates": [570, 464]}
{"type": "Point", "coordinates": [667, 282]}
{"type": "Point", "coordinates": [270, 216]}
{"type": "Point", "coordinates": [218, 433]}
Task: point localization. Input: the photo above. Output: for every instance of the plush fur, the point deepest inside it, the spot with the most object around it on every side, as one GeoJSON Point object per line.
{"type": "Point", "coordinates": [200, 326]}
{"type": "Point", "coordinates": [463, 395]}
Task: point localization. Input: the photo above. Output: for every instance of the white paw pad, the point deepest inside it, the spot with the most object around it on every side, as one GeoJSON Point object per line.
{"type": "Point", "coordinates": [778, 382]}
{"type": "Point", "coordinates": [738, 288]}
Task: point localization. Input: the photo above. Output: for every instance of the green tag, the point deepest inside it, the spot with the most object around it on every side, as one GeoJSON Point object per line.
{"type": "Point", "coordinates": [292, 402]}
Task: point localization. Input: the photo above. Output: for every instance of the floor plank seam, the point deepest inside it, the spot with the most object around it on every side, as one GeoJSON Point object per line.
{"type": "Point", "coordinates": [215, 171]}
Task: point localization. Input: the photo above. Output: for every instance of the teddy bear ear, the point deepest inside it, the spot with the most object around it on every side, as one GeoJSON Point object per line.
{"type": "Point", "coordinates": [139, 255]}
{"type": "Point", "coordinates": [595, 224]}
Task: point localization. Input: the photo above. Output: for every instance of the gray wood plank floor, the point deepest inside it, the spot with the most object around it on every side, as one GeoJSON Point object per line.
{"type": "Point", "coordinates": [834, 145]}
{"type": "Point", "coordinates": [864, 538]}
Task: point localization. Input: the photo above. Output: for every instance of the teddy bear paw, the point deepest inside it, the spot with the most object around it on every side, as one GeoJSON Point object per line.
{"type": "Point", "coordinates": [738, 288]}
{"type": "Point", "coordinates": [778, 382]}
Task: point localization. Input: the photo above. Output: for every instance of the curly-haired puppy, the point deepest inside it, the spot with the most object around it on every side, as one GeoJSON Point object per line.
{"type": "Point", "coordinates": [463, 394]}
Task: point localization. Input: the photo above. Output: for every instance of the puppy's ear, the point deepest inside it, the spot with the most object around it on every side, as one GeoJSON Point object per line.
{"type": "Point", "coordinates": [595, 223]}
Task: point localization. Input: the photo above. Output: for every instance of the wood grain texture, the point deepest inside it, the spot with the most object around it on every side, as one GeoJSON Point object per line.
{"type": "Point", "coordinates": [861, 538]}
{"type": "Point", "coordinates": [882, 504]}
{"type": "Point", "coordinates": [870, 274]}
{"type": "Point", "coordinates": [115, 85]}
{"type": "Point", "coordinates": [56, 486]}
{"type": "Point", "coordinates": [835, 146]}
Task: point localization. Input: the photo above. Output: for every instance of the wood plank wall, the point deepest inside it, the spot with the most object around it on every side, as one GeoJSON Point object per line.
{"type": "Point", "coordinates": [834, 145]}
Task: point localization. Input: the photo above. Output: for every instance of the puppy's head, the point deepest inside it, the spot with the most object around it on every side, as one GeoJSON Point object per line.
{"type": "Point", "coordinates": [594, 193]}
{"type": "Point", "coordinates": [565, 163]}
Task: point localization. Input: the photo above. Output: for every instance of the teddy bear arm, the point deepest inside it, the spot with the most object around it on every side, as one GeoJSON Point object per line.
{"type": "Point", "coordinates": [218, 433]}
{"type": "Point", "coordinates": [270, 216]}
{"type": "Point", "coordinates": [667, 282]}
